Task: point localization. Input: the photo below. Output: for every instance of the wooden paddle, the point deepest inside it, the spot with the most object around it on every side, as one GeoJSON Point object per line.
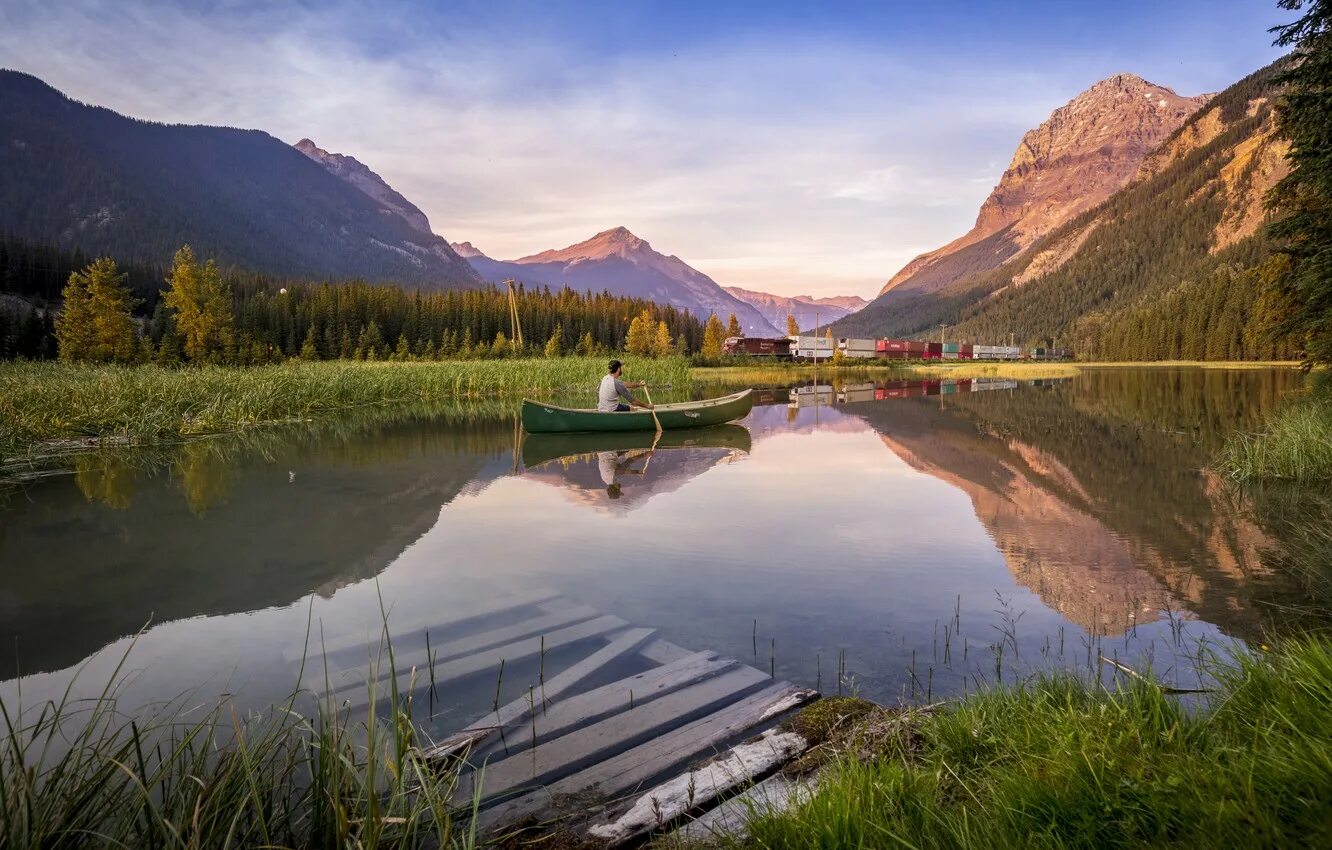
{"type": "Point", "coordinates": [653, 409]}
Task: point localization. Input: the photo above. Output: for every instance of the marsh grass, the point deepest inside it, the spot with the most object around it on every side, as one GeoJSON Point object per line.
{"type": "Point", "coordinates": [190, 773]}
{"type": "Point", "coordinates": [1295, 445]}
{"type": "Point", "coordinates": [51, 407]}
{"type": "Point", "coordinates": [1059, 762]}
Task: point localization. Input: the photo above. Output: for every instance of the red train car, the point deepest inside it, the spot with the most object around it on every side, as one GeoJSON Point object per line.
{"type": "Point", "coordinates": [758, 346]}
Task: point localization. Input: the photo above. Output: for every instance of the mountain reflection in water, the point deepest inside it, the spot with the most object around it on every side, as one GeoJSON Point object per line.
{"type": "Point", "coordinates": [841, 518]}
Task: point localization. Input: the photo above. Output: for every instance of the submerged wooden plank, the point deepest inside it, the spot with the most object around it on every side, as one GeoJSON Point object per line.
{"type": "Point", "coordinates": [564, 715]}
{"type": "Point", "coordinates": [577, 749]}
{"type": "Point", "coordinates": [490, 659]}
{"type": "Point", "coordinates": [558, 618]}
{"type": "Point", "coordinates": [622, 644]}
{"type": "Point", "coordinates": [373, 635]}
{"type": "Point", "coordinates": [664, 652]}
{"type": "Point", "coordinates": [700, 787]}
{"type": "Point", "coordinates": [628, 770]}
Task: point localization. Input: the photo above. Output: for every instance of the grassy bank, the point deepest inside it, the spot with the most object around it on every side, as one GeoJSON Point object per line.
{"type": "Point", "coordinates": [1294, 446]}
{"type": "Point", "coordinates": [1062, 764]}
{"type": "Point", "coordinates": [47, 407]}
{"type": "Point", "coordinates": [85, 774]}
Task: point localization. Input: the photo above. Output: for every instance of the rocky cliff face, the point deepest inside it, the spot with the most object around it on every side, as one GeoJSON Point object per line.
{"type": "Point", "coordinates": [466, 250]}
{"type": "Point", "coordinates": [807, 310]}
{"type": "Point", "coordinates": [355, 172]}
{"type": "Point", "coordinates": [1082, 154]}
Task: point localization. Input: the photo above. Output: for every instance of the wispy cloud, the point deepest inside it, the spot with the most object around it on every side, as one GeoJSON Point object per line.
{"type": "Point", "coordinates": [778, 160]}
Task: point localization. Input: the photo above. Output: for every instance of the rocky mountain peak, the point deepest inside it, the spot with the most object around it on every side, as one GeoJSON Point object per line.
{"type": "Point", "coordinates": [1087, 150]}
{"type": "Point", "coordinates": [466, 250]}
{"type": "Point", "coordinates": [616, 242]}
{"type": "Point", "coordinates": [355, 172]}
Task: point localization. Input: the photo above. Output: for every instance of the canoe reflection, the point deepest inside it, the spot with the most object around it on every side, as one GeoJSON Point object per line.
{"type": "Point", "coordinates": [622, 471]}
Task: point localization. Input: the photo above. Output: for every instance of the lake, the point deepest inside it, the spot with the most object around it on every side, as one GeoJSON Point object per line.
{"type": "Point", "coordinates": [901, 540]}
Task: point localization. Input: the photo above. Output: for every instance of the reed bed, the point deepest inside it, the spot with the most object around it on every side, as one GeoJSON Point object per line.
{"type": "Point", "coordinates": [1063, 763]}
{"type": "Point", "coordinates": [47, 407]}
{"type": "Point", "coordinates": [1294, 446]}
{"type": "Point", "coordinates": [86, 773]}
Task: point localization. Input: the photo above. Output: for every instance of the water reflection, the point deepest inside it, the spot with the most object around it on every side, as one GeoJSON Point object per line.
{"type": "Point", "coordinates": [620, 472]}
{"type": "Point", "coordinates": [858, 517]}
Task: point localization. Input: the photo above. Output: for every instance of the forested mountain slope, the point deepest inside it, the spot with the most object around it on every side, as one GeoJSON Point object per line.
{"type": "Point", "coordinates": [1082, 154]}
{"type": "Point", "coordinates": [88, 178]}
{"type": "Point", "coordinates": [1166, 268]}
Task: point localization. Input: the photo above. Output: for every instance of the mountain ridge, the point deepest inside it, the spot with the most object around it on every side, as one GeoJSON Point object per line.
{"type": "Point", "coordinates": [86, 177]}
{"type": "Point", "coordinates": [1072, 161]}
{"type": "Point", "coordinates": [808, 310]}
{"type": "Point", "coordinates": [622, 263]}
{"type": "Point", "coordinates": [1168, 267]}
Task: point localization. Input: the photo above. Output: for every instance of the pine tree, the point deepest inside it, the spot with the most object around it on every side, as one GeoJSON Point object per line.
{"type": "Point", "coordinates": [308, 349]}
{"type": "Point", "coordinates": [733, 327]}
{"type": "Point", "coordinates": [792, 326]}
{"type": "Point", "coordinates": [403, 352]}
{"type": "Point", "coordinates": [661, 343]}
{"type": "Point", "coordinates": [712, 338]}
{"type": "Point", "coordinates": [586, 346]}
{"type": "Point", "coordinates": [1303, 197]}
{"type": "Point", "coordinates": [110, 304]}
{"type": "Point", "coordinates": [639, 341]}
{"type": "Point", "coordinates": [500, 348]}
{"type": "Point", "coordinates": [201, 305]}
{"type": "Point", "coordinates": [75, 334]}
{"type": "Point", "coordinates": [555, 342]}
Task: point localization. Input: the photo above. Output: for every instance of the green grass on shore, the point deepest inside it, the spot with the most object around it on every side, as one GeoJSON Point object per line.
{"type": "Point", "coordinates": [46, 407]}
{"type": "Point", "coordinates": [1060, 763]}
{"type": "Point", "coordinates": [1294, 446]}
{"type": "Point", "coordinates": [195, 773]}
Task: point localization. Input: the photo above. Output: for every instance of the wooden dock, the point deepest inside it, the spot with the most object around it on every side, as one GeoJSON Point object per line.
{"type": "Point", "coordinates": [600, 756]}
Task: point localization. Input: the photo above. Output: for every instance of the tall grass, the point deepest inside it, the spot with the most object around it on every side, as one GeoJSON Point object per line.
{"type": "Point", "coordinates": [56, 403]}
{"type": "Point", "coordinates": [1060, 763]}
{"type": "Point", "coordinates": [84, 773]}
{"type": "Point", "coordinates": [1295, 445]}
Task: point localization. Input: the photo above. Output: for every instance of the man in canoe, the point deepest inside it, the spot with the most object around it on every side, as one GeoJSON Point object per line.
{"type": "Point", "coordinates": [613, 390]}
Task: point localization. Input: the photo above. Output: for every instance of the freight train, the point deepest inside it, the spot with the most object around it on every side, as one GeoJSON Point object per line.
{"type": "Point", "coordinates": [824, 347]}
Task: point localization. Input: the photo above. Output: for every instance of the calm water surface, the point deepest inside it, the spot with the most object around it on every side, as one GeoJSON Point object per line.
{"type": "Point", "coordinates": [904, 532]}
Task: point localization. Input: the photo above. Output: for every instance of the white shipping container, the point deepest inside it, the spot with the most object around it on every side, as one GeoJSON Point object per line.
{"type": "Point", "coordinates": [815, 343]}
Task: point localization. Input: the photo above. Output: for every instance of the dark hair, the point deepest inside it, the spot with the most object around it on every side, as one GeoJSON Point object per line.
{"type": "Point", "coordinates": [615, 366]}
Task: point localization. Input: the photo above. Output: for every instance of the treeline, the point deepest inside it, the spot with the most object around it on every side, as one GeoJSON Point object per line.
{"type": "Point", "coordinates": [200, 313]}
{"type": "Point", "coordinates": [1227, 315]}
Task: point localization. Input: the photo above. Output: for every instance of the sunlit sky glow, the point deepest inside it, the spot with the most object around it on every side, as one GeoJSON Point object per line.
{"type": "Point", "coordinates": [787, 147]}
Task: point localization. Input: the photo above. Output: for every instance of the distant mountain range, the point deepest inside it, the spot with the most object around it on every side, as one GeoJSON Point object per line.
{"type": "Point", "coordinates": [1162, 265]}
{"type": "Point", "coordinates": [620, 262]}
{"type": "Point", "coordinates": [86, 177]}
{"type": "Point", "coordinates": [808, 311]}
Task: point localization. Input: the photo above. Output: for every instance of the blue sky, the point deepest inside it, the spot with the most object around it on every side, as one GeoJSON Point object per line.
{"type": "Point", "coordinates": [791, 147]}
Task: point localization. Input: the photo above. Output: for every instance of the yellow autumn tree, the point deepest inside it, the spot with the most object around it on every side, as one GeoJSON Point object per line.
{"type": "Point", "coordinates": [661, 343]}
{"type": "Point", "coordinates": [792, 326]}
{"type": "Point", "coordinates": [200, 302]}
{"type": "Point", "coordinates": [96, 323]}
{"type": "Point", "coordinates": [639, 341]}
{"type": "Point", "coordinates": [714, 333]}
{"type": "Point", "coordinates": [733, 327]}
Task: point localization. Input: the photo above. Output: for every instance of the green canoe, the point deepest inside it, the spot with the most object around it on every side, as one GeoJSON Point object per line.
{"type": "Point", "coordinates": [543, 448]}
{"type": "Point", "coordinates": [540, 418]}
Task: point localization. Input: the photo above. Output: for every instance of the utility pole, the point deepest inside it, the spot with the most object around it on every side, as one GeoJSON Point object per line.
{"type": "Point", "coordinates": [515, 326]}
